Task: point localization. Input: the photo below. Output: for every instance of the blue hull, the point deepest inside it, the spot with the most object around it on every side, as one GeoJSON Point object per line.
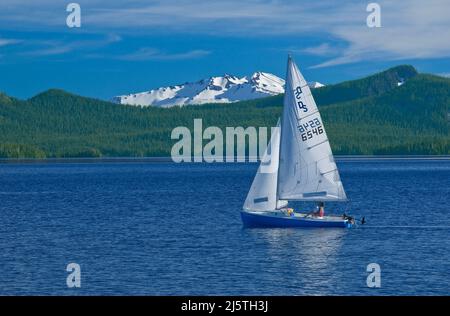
{"type": "Point", "coordinates": [251, 219]}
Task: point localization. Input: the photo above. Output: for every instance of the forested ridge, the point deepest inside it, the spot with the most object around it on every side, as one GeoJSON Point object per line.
{"type": "Point", "coordinates": [369, 116]}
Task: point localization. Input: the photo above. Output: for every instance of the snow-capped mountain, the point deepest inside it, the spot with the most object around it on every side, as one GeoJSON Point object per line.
{"type": "Point", "coordinates": [315, 84]}
{"type": "Point", "coordinates": [224, 89]}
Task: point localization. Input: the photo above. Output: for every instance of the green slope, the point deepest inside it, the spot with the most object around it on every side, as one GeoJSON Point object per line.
{"type": "Point", "coordinates": [371, 86]}
{"type": "Point", "coordinates": [410, 119]}
{"type": "Point", "coordinates": [366, 116]}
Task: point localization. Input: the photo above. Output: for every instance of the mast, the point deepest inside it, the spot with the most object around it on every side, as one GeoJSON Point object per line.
{"type": "Point", "coordinates": [281, 124]}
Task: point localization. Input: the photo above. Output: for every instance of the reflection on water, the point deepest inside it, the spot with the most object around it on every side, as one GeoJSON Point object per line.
{"type": "Point", "coordinates": [313, 254]}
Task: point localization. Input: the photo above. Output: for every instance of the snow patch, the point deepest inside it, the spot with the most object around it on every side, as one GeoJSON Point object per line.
{"type": "Point", "coordinates": [224, 89]}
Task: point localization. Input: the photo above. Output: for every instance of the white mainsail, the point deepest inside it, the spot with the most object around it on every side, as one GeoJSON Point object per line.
{"type": "Point", "coordinates": [307, 171]}
{"type": "Point", "coordinates": [298, 163]}
{"type": "Point", "coordinates": [263, 192]}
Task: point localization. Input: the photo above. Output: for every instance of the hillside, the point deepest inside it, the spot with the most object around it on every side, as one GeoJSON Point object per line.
{"type": "Point", "coordinates": [372, 115]}
{"type": "Point", "coordinates": [371, 86]}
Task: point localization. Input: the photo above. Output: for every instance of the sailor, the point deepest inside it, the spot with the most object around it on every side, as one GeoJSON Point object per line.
{"type": "Point", "coordinates": [321, 211]}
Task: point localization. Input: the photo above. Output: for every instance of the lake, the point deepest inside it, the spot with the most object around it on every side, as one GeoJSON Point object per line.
{"type": "Point", "coordinates": [148, 228]}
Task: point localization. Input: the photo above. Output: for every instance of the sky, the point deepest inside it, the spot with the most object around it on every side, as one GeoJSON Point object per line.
{"type": "Point", "coordinates": [131, 46]}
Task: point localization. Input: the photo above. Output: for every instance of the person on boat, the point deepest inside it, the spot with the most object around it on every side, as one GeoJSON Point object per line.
{"type": "Point", "coordinates": [321, 211]}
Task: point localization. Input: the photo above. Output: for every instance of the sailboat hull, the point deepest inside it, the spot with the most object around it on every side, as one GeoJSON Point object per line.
{"type": "Point", "coordinates": [280, 219]}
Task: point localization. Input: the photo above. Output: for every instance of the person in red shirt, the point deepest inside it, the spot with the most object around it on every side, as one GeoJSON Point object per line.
{"type": "Point", "coordinates": [321, 209]}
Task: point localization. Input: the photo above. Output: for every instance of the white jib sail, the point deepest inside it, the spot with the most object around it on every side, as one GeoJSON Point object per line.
{"type": "Point", "coordinates": [263, 192]}
{"type": "Point", "coordinates": [307, 171]}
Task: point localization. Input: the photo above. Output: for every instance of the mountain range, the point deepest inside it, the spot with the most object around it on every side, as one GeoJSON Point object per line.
{"type": "Point", "coordinates": [374, 115]}
{"type": "Point", "coordinates": [224, 89]}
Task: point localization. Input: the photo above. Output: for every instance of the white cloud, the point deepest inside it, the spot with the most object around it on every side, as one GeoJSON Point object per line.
{"type": "Point", "coordinates": [149, 53]}
{"type": "Point", "coordinates": [8, 41]}
{"type": "Point", "coordinates": [55, 47]}
{"type": "Point", "coordinates": [229, 17]}
{"type": "Point", "coordinates": [324, 49]}
{"type": "Point", "coordinates": [38, 48]}
{"type": "Point", "coordinates": [410, 30]}
{"type": "Point", "coordinates": [414, 29]}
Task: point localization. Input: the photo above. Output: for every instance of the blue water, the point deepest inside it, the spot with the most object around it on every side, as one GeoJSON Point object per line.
{"type": "Point", "coordinates": [163, 228]}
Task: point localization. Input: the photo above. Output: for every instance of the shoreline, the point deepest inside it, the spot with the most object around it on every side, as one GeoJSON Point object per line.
{"type": "Point", "coordinates": [169, 159]}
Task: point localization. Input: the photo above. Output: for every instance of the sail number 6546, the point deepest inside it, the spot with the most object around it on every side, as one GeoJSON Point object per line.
{"type": "Point", "coordinates": [309, 134]}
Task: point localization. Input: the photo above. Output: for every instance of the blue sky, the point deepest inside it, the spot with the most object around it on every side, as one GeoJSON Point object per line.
{"type": "Point", "coordinates": [124, 47]}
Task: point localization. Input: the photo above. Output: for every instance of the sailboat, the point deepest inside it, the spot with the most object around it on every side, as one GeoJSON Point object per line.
{"type": "Point", "coordinates": [298, 165]}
